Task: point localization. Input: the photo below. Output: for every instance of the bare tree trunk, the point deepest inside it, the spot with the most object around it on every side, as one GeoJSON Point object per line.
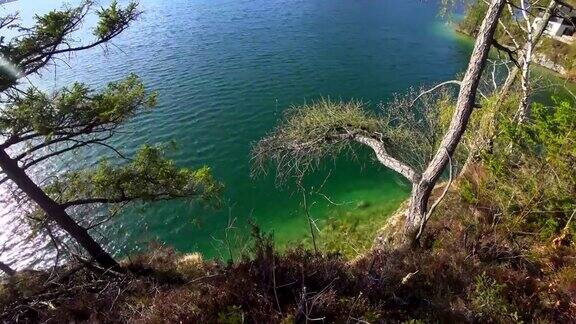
{"type": "Point", "coordinates": [538, 32]}
{"type": "Point", "coordinates": [7, 269]}
{"type": "Point", "coordinates": [422, 189]}
{"type": "Point", "coordinates": [524, 105]}
{"type": "Point", "coordinates": [55, 212]}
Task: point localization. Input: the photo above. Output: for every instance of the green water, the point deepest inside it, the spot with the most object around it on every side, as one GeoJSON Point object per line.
{"type": "Point", "coordinates": [225, 71]}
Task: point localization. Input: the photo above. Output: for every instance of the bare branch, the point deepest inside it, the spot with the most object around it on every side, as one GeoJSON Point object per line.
{"type": "Point", "coordinates": [386, 159]}
{"type": "Point", "coordinates": [511, 52]}
{"type": "Point", "coordinates": [456, 82]}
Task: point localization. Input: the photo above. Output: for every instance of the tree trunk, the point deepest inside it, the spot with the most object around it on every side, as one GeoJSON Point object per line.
{"type": "Point", "coordinates": [417, 210]}
{"type": "Point", "coordinates": [524, 105]}
{"type": "Point", "coordinates": [488, 140]}
{"type": "Point", "coordinates": [538, 32]}
{"type": "Point", "coordinates": [532, 40]}
{"type": "Point", "coordinates": [7, 269]}
{"type": "Point", "coordinates": [55, 212]}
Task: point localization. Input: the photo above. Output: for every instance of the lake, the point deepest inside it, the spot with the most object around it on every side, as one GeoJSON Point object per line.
{"type": "Point", "coordinates": [225, 72]}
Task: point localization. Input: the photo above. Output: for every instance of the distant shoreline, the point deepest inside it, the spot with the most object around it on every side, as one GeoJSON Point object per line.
{"type": "Point", "coordinates": [538, 61]}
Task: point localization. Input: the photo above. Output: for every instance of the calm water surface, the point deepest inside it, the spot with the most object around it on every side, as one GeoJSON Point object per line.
{"type": "Point", "coordinates": [225, 71]}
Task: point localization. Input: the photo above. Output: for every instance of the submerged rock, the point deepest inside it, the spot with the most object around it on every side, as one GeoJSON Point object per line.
{"type": "Point", "coordinates": [362, 204]}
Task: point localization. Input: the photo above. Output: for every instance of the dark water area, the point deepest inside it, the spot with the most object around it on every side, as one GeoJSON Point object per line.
{"type": "Point", "coordinates": [225, 72]}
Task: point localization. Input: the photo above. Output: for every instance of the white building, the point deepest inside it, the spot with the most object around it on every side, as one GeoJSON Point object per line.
{"type": "Point", "coordinates": [559, 27]}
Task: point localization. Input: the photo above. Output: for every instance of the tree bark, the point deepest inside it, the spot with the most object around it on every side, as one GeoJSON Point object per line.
{"type": "Point", "coordinates": [56, 212]}
{"type": "Point", "coordinates": [7, 269]}
{"type": "Point", "coordinates": [464, 106]}
{"type": "Point", "coordinates": [524, 105]}
{"type": "Point", "coordinates": [488, 140]}
{"type": "Point", "coordinates": [538, 32]}
{"type": "Point", "coordinates": [386, 159]}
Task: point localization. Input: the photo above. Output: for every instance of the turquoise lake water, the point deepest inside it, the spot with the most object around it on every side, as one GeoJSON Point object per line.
{"type": "Point", "coordinates": [226, 70]}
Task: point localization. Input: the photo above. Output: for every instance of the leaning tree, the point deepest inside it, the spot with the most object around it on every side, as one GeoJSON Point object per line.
{"type": "Point", "coordinates": [38, 128]}
{"type": "Point", "coordinates": [325, 128]}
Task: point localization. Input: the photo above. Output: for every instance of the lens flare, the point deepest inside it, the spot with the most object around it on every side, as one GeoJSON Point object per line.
{"type": "Point", "coordinates": [8, 68]}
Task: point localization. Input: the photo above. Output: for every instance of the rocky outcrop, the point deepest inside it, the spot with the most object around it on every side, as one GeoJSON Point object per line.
{"type": "Point", "coordinates": [544, 61]}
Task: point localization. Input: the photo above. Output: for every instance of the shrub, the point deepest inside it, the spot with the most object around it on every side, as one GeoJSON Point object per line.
{"type": "Point", "coordinates": [488, 300]}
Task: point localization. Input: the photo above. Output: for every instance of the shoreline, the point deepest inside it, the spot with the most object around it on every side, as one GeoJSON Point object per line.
{"type": "Point", "coordinates": [539, 60]}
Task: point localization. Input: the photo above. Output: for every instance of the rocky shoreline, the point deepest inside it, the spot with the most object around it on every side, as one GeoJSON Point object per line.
{"type": "Point", "coordinates": [540, 59]}
{"type": "Point", "coordinates": [547, 63]}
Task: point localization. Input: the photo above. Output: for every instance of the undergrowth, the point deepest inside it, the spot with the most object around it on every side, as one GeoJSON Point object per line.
{"type": "Point", "coordinates": [469, 270]}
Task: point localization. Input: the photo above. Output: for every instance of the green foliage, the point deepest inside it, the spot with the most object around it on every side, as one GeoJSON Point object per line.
{"type": "Point", "coordinates": [556, 51]}
{"type": "Point", "coordinates": [314, 131]}
{"type": "Point", "coordinates": [532, 168]}
{"type": "Point", "coordinates": [322, 117]}
{"type": "Point", "coordinates": [148, 177]}
{"type": "Point", "coordinates": [231, 315]}
{"type": "Point", "coordinates": [449, 7]}
{"type": "Point", "coordinates": [48, 29]}
{"type": "Point", "coordinates": [408, 127]}
{"type": "Point", "coordinates": [324, 120]}
{"type": "Point", "coordinates": [467, 192]}
{"type": "Point", "coordinates": [489, 302]}
{"type": "Point", "coordinates": [113, 19]}
{"type": "Point", "coordinates": [36, 126]}
{"type": "Point", "coordinates": [53, 33]}
{"type": "Point", "coordinates": [552, 130]}
{"type": "Point", "coordinates": [475, 13]}
{"type": "Point", "coordinates": [76, 109]}
{"type": "Point", "coordinates": [414, 321]}
{"type": "Point", "coordinates": [54, 23]}
{"type": "Point", "coordinates": [548, 226]}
